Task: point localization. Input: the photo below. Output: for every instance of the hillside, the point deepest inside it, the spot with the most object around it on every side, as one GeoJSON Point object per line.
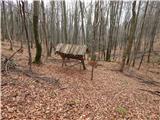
{"type": "Point", "coordinates": [53, 92]}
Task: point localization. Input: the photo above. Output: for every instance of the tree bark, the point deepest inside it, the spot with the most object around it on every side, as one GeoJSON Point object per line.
{"type": "Point", "coordinates": [6, 25]}
{"type": "Point", "coordinates": [95, 28]}
{"type": "Point", "coordinates": [65, 22]}
{"type": "Point", "coordinates": [36, 35]}
{"type": "Point", "coordinates": [44, 29]}
{"type": "Point", "coordinates": [25, 27]}
{"type": "Point", "coordinates": [154, 29]}
{"type": "Point", "coordinates": [127, 51]}
{"type": "Point", "coordinates": [82, 19]}
{"type": "Point", "coordinates": [141, 32]}
{"type": "Point", "coordinates": [132, 32]}
{"type": "Point", "coordinates": [75, 33]}
{"type": "Point", "coordinates": [112, 21]}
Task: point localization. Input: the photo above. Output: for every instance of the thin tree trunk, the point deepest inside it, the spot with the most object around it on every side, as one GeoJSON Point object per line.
{"type": "Point", "coordinates": [117, 31]}
{"type": "Point", "coordinates": [95, 28]}
{"type": "Point", "coordinates": [57, 25]}
{"type": "Point", "coordinates": [12, 21]}
{"type": "Point", "coordinates": [6, 25]}
{"type": "Point", "coordinates": [105, 46]}
{"type": "Point", "coordinates": [89, 26]}
{"type": "Point", "coordinates": [65, 22]}
{"type": "Point", "coordinates": [44, 29]}
{"type": "Point", "coordinates": [52, 27]}
{"type": "Point", "coordinates": [141, 32]}
{"type": "Point", "coordinates": [75, 34]}
{"type": "Point", "coordinates": [82, 19]}
{"type": "Point", "coordinates": [25, 27]}
{"type": "Point", "coordinates": [153, 32]}
{"type": "Point", "coordinates": [2, 25]}
{"type": "Point", "coordinates": [132, 32]}
{"type": "Point", "coordinates": [20, 11]}
{"type": "Point", "coordinates": [127, 51]}
{"type": "Point", "coordinates": [112, 20]}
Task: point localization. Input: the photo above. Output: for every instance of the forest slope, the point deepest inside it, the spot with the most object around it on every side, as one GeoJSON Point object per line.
{"type": "Point", "coordinates": [53, 92]}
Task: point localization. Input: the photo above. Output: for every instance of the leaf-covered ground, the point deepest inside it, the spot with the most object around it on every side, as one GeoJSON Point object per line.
{"type": "Point", "coordinates": [55, 93]}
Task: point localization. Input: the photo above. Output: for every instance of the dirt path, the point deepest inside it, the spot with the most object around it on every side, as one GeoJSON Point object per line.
{"type": "Point", "coordinates": [111, 95]}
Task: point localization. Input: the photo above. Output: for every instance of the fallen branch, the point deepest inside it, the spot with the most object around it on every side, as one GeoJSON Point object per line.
{"type": "Point", "coordinates": [39, 78]}
{"type": "Point", "coordinates": [12, 55]}
{"type": "Point", "coordinates": [7, 62]}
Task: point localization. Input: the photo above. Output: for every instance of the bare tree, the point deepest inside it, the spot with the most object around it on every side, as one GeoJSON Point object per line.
{"type": "Point", "coordinates": [89, 26]}
{"type": "Point", "coordinates": [95, 28]}
{"type": "Point", "coordinates": [154, 29]}
{"type": "Point", "coordinates": [36, 35]}
{"type": "Point", "coordinates": [6, 25]}
{"type": "Point", "coordinates": [25, 27]}
{"type": "Point", "coordinates": [75, 33]}
{"type": "Point", "coordinates": [141, 32]}
{"type": "Point", "coordinates": [52, 28]}
{"type": "Point", "coordinates": [45, 29]}
{"type": "Point", "coordinates": [82, 20]}
{"type": "Point", "coordinates": [127, 51]}
{"type": "Point", "coordinates": [112, 22]}
{"type": "Point", "coordinates": [65, 21]}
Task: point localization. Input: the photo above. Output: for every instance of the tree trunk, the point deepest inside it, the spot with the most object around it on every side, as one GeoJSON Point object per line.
{"type": "Point", "coordinates": [82, 17]}
{"type": "Point", "coordinates": [154, 29]}
{"type": "Point", "coordinates": [6, 25]}
{"type": "Point", "coordinates": [44, 29]}
{"type": "Point", "coordinates": [95, 28]}
{"type": "Point", "coordinates": [2, 25]}
{"type": "Point", "coordinates": [141, 32]}
{"type": "Point", "coordinates": [65, 22]}
{"type": "Point", "coordinates": [25, 27]}
{"type": "Point", "coordinates": [117, 30]}
{"type": "Point", "coordinates": [112, 20]}
{"type": "Point", "coordinates": [89, 26]}
{"type": "Point", "coordinates": [132, 32]}
{"type": "Point", "coordinates": [20, 36]}
{"type": "Point", "coordinates": [75, 34]}
{"type": "Point", "coordinates": [36, 35]}
{"type": "Point", "coordinates": [52, 28]}
{"type": "Point", "coordinates": [12, 21]}
{"type": "Point", "coordinates": [127, 51]}
{"type": "Point", "coordinates": [57, 26]}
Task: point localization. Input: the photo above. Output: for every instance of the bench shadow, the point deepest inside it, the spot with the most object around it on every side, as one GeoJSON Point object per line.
{"type": "Point", "coordinates": [152, 92]}
{"type": "Point", "coordinates": [143, 80]}
{"type": "Point", "coordinates": [38, 77]}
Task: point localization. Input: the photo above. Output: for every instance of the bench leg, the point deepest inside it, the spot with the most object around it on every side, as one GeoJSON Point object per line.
{"type": "Point", "coordinates": [84, 67]}
{"type": "Point", "coordinates": [63, 60]}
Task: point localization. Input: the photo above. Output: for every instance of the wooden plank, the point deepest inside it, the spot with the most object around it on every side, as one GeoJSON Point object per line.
{"type": "Point", "coordinates": [63, 48]}
{"type": "Point", "coordinates": [84, 49]}
{"type": "Point", "coordinates": [80, 52]}
{"type": "Point", "coordinates": [68, 48]}
{"type": "Point", "coordinates": [75, 50]}
{"type": "Point", "coordinates": [58, 47]}
{"type": "Point", "coordinates": [78, 49]}
{"type": "Point", "coordinates": [71, 49]}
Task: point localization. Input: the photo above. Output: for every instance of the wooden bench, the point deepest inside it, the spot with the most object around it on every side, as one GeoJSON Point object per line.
{"type": "Point", "coordinates": [71, 51]}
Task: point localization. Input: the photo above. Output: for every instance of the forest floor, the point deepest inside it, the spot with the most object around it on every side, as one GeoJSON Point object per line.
{"type": "Point", "coordinates": [55, 93]}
